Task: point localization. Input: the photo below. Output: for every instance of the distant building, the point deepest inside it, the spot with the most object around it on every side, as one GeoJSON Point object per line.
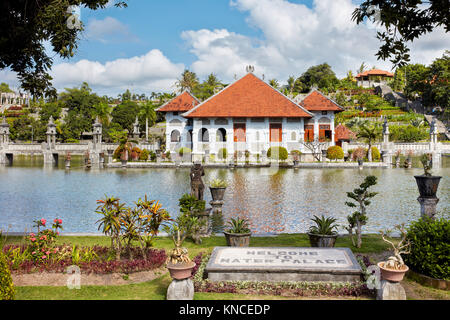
{"type": "Point", "coordinates": [13, 100]}
{"type": "Point", "coordinates": [373, 78]}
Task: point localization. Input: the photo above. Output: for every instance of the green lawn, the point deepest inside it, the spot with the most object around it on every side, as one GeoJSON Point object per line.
{"type": "Point", "coordinates": [156, 289]}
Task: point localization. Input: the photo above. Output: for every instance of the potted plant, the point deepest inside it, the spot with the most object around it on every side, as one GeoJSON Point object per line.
{"type": "Point", "coordinates": [238, 235]}
{"type": "Point", "coordinates": [427, 183]}
{"type": "Point", "coordinates": [217, 188]}
{"type": "Point", "coordinates": [394, 268]}
{"type": "Point", "coordinates": [323, 234]}
{"type": "Point", "coordinates": [178, 262]}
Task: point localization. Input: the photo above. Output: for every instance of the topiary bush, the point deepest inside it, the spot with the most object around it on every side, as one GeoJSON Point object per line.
{"type": "Point", "coordinates": [277, 153]}
{"type": "Point", "coordinates": [430, 247]}
{"type": "Point", "coordinates": [7, 290]}
{"type": "Point", "coordinates": [335, 152]}
{"type": "Point", "coordinates": [376, 155]}
{"type": "Point", "coordinates": [183, 151]}
{"type": "Point", "coordinates": [144, 155]}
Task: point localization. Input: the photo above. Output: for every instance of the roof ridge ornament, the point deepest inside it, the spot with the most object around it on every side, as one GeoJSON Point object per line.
{"type": "Point", "coordinates": [250, 69]}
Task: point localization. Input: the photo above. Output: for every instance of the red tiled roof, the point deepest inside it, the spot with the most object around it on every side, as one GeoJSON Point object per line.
{"type": "Point", "coordinates": [249, 97]}
{"type": "Point", "coordinates": [182, 103]}
{"type": "Point", "coordinates": [375, 72]}
{"type": "Point", "coordinates": [316, 101]}
{"type": "Point", "coordinates": [341, 132]}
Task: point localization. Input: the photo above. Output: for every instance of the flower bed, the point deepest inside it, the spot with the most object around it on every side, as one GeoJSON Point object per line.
{"type": "Point", "coordinates": [97, 260]}
{"type": "Point", "coordinates": [285, 288]}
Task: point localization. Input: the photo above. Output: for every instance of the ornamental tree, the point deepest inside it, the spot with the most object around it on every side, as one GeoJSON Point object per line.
{"type": "Point", "coordinates": [362, 198]}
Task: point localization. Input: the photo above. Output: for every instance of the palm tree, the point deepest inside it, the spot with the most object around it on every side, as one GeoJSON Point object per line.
{"type": "Point", "coordinates": [370, 132]}
{"type": "Point", "coordinates": [148, 112]}
{"type": "Point", "coordinates": [291, 84]}
{"type": "Point", "coordinates": [274, 83]}
{"type": "Point", "coordinates": [362, 68]}
{"type": "Point", "coordinates": [188, 81]}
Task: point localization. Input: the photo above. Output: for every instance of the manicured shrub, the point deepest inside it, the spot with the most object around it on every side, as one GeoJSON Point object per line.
{"type": "Point", "coordinates": [183, 151]}
{"type": "Point", "coordinates": [277, 153]}
{"type": "Point", "coordinates": [335, 152]}
{"type": "Point", "coordinates": [376, 155]}
{"type": "Point", "coordinates": [144, 155]}
{"type": "Point", "coordinates": [7, 290]}
{"type": "Point", "coordinates": [430, 247]}
{"type": "Point", "coordinates": [222, 153]}
{"type": "Point", "coordinates": [152, 156]}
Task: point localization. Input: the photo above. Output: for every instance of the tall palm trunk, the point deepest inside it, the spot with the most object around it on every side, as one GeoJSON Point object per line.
{"type": "Point", "coordinates": [146, 129]}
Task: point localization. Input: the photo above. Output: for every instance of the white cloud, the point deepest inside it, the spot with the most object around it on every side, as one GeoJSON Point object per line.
{"type": "Point", "coordinates": [296, 37]}
{"type": "Point", "coordinates": [150, 72]}
{"type": "Point", "coordinates": [108, 30]}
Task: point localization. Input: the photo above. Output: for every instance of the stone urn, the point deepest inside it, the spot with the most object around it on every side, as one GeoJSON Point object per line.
{"type": "Point", "coordinates": [237, 239]}
{"type": "Point", "coordinates": [427, 185]}
{"type": "Point", "coordinates": [217, 194]}
{"type": "Point", "coordinates": [322, 240]}
{"type": "Point", "coordinates": [181, 271]}
{"type": "Point", "coordinates": [392, 275]}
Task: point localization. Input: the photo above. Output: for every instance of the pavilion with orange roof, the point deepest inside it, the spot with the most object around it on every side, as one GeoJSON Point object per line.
{"type": "Point", "coordinates": [247, 115]}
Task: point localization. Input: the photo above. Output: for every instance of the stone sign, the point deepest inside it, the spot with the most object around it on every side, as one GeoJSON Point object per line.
{"type": "Point", "coordinates": [283, 264]}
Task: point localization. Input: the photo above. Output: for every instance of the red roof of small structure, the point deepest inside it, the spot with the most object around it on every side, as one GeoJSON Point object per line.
{"type": "Point", "coordinates": [375, 72]}
{"type": "Point", "coordinates": [316, 101]}
{"type": "Point", "coordinates": [341, 132]}
{"type": "Point", "coordinates": [248, 97]}
{"type": "Point", "coordinates": [182, 103]}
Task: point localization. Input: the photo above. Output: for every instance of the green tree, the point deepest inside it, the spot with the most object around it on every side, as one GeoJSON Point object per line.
{"type": "Point", "coordinates": [362, 198]}
{"type": "Point", "coordinates": [398, 83]}
{"type": "Point", "coordinates": [147, 111]}
{"type": "Point", "coordinates": [49, 109]}
{"type": "Point", "coordinates": [27, 24]}
{"type": "Point", "coordinates": [125, 114]}
{"type": "Point", "coordinates": [321, 76]}
{"type": "Point", "coordinates": [188, 81]}
{"type": "Point", "coordinates": [4, 87]}
{"type": "Point", "coordinates": [369, 132]}
{"type": "Point", "coordinates": [440, 81]}
{"type": "Point", "coordinates": [403, 21]}
{"type": "Point", "coordinates": [274, 83]}
{"type": "Point", "coordinates": [81, 112]}
{"type": "Point", "coordinates": [103, 111]}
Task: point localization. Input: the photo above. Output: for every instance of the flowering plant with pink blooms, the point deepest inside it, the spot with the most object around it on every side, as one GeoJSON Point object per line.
{"type": "Point", "coordinates": [41, 245]}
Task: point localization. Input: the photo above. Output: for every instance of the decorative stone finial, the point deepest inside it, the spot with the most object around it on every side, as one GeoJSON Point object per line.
{"type": "Point", "coordinates": [250, 69]}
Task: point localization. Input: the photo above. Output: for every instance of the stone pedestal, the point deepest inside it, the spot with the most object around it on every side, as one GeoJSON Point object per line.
{"type": "Point", "coordinates": [216, 206]}
{"type": "Point", "coordinates": [428, 206]}
{"type": "Point", "coordinates": [391, 291]}
{"type": "Point", "coordinates": [181, 290]}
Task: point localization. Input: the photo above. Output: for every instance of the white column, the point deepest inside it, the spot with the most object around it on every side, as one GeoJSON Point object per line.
{"type": "Point", "coordinates": [316, 127]}
{"type": "Point", "coordinates": [332, 131]}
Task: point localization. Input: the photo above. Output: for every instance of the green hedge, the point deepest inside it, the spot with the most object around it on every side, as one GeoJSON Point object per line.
{"type": "Point", "coordinates": [7, 290]}
{"type": "Point", "coordinates": [277, 153]}
{"type": "Point", "coordinates": [335, 152]}
{"type": "Point", "coordinates": [430, 247]}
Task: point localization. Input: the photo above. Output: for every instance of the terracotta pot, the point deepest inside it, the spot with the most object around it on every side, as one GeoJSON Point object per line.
{"type": "Point", "coordinates": [237, 239]}
{"type": "Point", "coordinates": [181, 271]}
{"type": "Point", "coordinates": [322, 240]}
{"type": "Point", "coordinates": [427, 185]}
{"type": "Point", "coordinates": [217, 194]}
{"type": "Point", "coordinates": [390, 274]}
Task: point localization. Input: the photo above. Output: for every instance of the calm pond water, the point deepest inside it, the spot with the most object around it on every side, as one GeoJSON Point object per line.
{"type": "Point", "coordinates": [275, 202]}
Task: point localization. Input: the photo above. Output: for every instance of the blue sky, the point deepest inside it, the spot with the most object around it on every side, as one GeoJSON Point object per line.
{"type": "Point", "coordinates": [146, 46]}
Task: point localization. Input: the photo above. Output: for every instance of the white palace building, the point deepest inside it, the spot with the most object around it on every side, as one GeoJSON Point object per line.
{"type": "Point", "coordinates": [248, 115]}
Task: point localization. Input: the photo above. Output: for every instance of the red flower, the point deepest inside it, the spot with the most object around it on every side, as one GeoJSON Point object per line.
{"type": "Point", "coordinates": [43, 221]}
